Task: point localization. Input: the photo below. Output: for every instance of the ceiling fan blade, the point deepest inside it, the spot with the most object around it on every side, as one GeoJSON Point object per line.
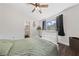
{"type": "Point", "coordinates": [43, 6]}
{"type": "Point", "coordinates": [32, 4]}
{"type": "Point", "coordinates": [40, 10]}
{"type": "Point", "coordinates": [33, 10]}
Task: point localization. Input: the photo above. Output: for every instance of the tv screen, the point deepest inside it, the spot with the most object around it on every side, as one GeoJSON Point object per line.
{"type": "Point", "coordinates": [59, 25]}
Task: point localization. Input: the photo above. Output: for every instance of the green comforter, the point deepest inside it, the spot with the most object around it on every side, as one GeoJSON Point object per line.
{"type": "Point", "coordinates": [28, 47]}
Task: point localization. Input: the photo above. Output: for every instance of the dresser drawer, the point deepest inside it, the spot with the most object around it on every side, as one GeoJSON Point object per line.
{"type": "Point", "coordinates": [74, 43]}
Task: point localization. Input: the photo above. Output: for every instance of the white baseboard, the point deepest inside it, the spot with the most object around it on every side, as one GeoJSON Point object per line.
{"type": "Point", "coordinates": [11, 36]}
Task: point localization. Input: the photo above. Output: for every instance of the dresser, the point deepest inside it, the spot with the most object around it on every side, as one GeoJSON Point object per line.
{"type": "Point", "coordinates": [72, 49]}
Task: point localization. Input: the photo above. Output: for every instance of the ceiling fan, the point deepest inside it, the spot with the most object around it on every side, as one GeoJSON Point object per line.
{"type": "Point", "coordinates": [38, 6]}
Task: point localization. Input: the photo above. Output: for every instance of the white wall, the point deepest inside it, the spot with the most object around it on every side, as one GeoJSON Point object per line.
{"type": "Point", "coordinates": [71, 24]}
{"type": "Point", "coordinates": [12, 20]}
{"type": "Point", "coordinates": [11, 23]}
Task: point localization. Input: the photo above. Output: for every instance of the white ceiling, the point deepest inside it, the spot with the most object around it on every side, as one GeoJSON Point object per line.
{"type": "Point", "coordinates": [25, 9]}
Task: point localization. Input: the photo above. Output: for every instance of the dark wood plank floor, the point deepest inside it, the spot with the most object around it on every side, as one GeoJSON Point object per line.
{"type": "Point", "coordinates": [67, 51]}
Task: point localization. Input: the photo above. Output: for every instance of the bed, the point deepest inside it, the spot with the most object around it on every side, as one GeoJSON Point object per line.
{"type": "Point", "coordinates": [27, 47]}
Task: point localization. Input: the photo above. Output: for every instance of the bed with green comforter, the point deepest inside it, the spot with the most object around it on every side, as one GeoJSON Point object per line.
{"type": "Point", "coordinates": [27, 47]}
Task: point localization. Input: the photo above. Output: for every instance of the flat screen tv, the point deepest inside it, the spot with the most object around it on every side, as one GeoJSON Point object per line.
{"type": "Point", "coordinates": [59, 25]}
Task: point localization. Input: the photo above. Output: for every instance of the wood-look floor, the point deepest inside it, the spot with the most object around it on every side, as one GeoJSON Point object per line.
{"type": "Point", "coordinates": [67, 51]}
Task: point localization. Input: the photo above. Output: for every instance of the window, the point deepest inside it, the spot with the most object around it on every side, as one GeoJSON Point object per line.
{"type": "Point", "coordinates": [50, 24]}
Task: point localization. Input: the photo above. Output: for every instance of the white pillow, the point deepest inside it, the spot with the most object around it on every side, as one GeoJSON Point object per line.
{"type": "Point", "coordinates": [5, 47]}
